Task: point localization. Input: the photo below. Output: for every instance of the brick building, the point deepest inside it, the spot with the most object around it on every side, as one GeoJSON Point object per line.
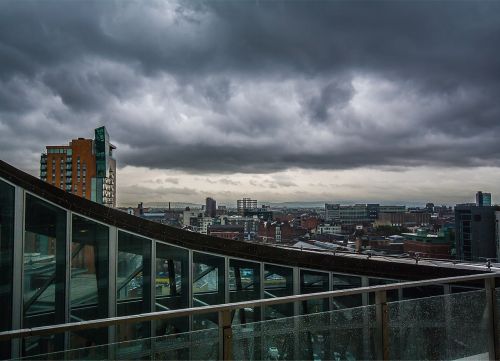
{"type": "Point", "coordinates": [85, 167]}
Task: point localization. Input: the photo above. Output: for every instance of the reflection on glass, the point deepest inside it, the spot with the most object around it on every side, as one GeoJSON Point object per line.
{"type": "Point", "coordinates": [89, 278]}
{"type": "Point", "coordinates": [312, 282]}
{"type": "Point", "coordinates": [171, 286]}
{"type": "Point", "coordinates": [208, 287]}
{"type": "Point", "coordinates": [335, 335]}
{"type": "Point", "coordinates": [133, 283]}
{"type": "Point", "coordinates": [278, 282]}
{"type": "Point", "coordinates": [44, 270]}
{"type": "Point", "coordinates": [345, 282]}
{"type": "Point", "coordinates": [6, 255]}
{"type": "Point", "coordinates": [244, 285]}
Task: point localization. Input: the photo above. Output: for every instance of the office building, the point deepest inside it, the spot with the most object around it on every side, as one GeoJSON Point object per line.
{"type": "Point", "coordinates": [85, 167]}
{"type": "Point", "coordinates": [357, 213]}
{"type": "Point", "coordinates": [210, 207]}
{"type": "Point", "coordinates": [332, 212]}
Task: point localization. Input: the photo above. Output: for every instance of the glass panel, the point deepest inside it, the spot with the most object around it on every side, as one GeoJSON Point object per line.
{"type": "Point", "coordinates": [336, 335]}
{"type": "Point", "coordinates": [6, 255]}
{"type": "Point", "coordinates": [208, 287]}
{"type": "Point", "coordinates": [89, 283]}
{"type": "Point", "coordinates": [439, 328]}
{"type": "Point", "coordinates": [172, 286]}
{"type": "Point", "coordinates": [278, 282]}
{"type": "Point", "coordinates": [197, 345]}
{"type": "Point", "coordinates": [44, 271]}
{"type": "Point", "coordinates": [244, 285]}
{"type": "Point", "coordinates": [345, 282]}
{"type": "Point", "coordinates": [133, 283]}
{"type": "Point", "coordinates": [312, 282]}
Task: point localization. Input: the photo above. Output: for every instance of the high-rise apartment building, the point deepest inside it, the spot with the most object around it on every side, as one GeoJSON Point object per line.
{"type": "Point", "coordinates": [245, 204]}
{"type": "Point", "coordinates": [483, 199]}
{"type": "Point", "coordinates": [210, 207]}
{"type": "Point", "coordinates": [85, 167]}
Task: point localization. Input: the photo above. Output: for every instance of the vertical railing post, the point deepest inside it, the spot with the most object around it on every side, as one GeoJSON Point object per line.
{"type": "Point", "coordinates": [382, 318]}
{"type": "Point", "coordinates": [492, 314]}
{"type": "Point", "coordinates": [112, 296]}
{"type": "Point", "coordinates": [225, 336]}
{"type": "Point", "coordinates": [18, 270]}
{"type": "Point", "coordinates": [297, 354]}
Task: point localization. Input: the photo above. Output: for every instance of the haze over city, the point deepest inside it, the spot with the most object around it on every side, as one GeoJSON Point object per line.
{"type": "Point", "coordinates": [279, 101]}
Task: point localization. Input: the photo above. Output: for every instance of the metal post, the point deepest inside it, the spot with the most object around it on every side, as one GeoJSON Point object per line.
{"type": "Point", "coordinates": [18, 269]}
{"type": "Point", "coordinates": [492, 314]}
{"type": "Point", "coordinates": [225, 336]}
{"type": "Point", "coordinates": [67, 285]}
{"type": "Point", "coordinates": [382, 334]}
{"type": "Point", "coordinates": [296, 312]}
{"type": "Point", "coordinates": [112, 269]}
{"type": "Point", "coordinates": [366, 319]}
{"type": "Point", "coordinates": [190, 300]}
{"type": "Point", "coordinates": [152, 306]}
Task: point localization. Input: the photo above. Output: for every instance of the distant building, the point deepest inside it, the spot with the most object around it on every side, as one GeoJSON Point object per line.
{"type": "Point", "coordinates": [429, 245]}
{"type": "Point", "coordinates": [210, 207]}
{"type": "Point", "coordinates": [475, 228]}
{"type": "Point", "coordinates": [278, 232]}
{"type": "Point", "coordinates": [308, 222]}
{"type": "Point", "coordinates": [483, 199]}
{"type": "Point", "coordinates": [221, 210]}
{"type": "Point", "coordinates": [261, 213]}
{"type": "Point", "coordinates": [85, 167]}
{"type": "Point", "coordinates": [245, 204]}
{"type": "Point", "coordinates": [357, 214]}
{"type": "Point", "coordinates": [250, 224]}
{"type": "Point", "coordinates": [407, 219]}
{"type": "Point", "coordinates": [328, 229]}
{"type": "Point", "coordinates": [227, 231]}
{"type": "Point", "coordinates": [332, 212]}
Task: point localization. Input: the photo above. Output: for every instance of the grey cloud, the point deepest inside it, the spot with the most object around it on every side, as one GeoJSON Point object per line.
{"type": "Point", "coordinates": [334, 96]}
{"type": "Point", "coordinates": [241, 86]}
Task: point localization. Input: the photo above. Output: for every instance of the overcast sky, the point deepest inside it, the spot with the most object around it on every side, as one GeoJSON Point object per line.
{"type": "Point", "coordinates": [280, 100]}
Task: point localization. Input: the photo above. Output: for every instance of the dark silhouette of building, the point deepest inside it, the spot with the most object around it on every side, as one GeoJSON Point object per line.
{"type": "Point", "coordinates": [483, 199]}
{"type": "Point", "coordinates": [210, 207]}
{"type": "Point", "coordinates": [475, 232]}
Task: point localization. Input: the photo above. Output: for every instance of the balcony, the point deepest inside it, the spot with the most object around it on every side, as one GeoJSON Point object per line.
{"type": "Point", "coordinates": [451, 326]}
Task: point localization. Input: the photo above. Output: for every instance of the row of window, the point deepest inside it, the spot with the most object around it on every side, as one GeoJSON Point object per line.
{"type": "Point", "coordinates": [67, 151]}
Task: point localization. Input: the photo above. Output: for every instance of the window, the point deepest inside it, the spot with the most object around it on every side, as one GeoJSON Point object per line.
{"type": "Point", "coordinates": [89, 278]}
{"type": "Point", "coordinates": [44, 271]}
{"type": "Point", "coordinates": [278, 282]}
{"type": "Point", "coordinates": [208, 286]}
{"type": "Point", "coordinates": [172, 286]}
{"type": "Point", "coordinates": [244, 285]}
{"type": "Point", "coordinates": [312, 282]}
{"type": "Point", "coordinates": [133, 282]}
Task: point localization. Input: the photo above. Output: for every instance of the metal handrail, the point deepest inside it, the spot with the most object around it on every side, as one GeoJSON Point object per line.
{"type": "Point", "coordinates": [161, 315]}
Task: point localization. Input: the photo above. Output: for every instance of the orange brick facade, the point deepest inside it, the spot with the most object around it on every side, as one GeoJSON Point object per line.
{"type": "Point", "coordinates": [72, 167]}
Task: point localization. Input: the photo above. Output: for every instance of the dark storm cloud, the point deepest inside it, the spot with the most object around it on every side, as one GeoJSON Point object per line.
{"type": "Point", "coordinates": [255, 87]}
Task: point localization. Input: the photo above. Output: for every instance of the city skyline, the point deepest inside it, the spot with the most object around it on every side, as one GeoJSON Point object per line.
{"type": "Point", "coordinates": [277, 101]}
